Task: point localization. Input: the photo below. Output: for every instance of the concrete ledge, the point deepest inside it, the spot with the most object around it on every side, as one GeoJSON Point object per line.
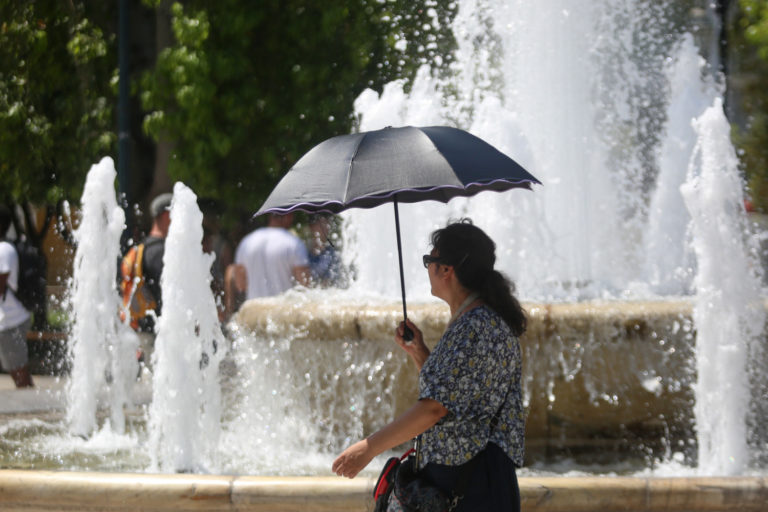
{"type": "Point", "coordinates": [114, 492]}
{"type": "Point", "coordinates": [607, 494]}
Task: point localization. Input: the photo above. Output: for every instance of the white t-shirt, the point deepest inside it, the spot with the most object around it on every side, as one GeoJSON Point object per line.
{"type": "Point", "coordinates": [269, 256]}
{"type": "Point", "coordinates": [12, 313]}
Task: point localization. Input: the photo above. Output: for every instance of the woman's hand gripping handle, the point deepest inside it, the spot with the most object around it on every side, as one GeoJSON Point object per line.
{"type": "Point", "coordinates": [415, 347]}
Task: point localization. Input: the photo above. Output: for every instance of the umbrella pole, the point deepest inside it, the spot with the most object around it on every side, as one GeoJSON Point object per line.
{"type": "Point", "coordinates": [407, 332]}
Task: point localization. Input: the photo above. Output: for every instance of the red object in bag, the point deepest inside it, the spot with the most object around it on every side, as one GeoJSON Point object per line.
{"type": "Point", "coordinates": [385, 482]}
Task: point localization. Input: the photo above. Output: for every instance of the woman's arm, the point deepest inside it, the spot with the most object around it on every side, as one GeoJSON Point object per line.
{"type": "Point", "coordinates": [421, 416]}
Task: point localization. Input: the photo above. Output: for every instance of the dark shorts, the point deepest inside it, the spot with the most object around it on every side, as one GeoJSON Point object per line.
{"type": "Point", "coordinates": [492, 486]}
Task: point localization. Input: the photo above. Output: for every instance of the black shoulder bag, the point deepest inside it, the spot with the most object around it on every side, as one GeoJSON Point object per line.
{"type": "Point", "coordinates": [412, 492]}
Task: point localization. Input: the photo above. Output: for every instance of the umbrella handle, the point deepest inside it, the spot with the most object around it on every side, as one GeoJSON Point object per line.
{"type": "Point", "coordinates": [407, 332]}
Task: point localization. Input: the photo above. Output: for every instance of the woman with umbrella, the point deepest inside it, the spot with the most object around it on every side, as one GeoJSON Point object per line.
{"type": "Point", "coordinates": [469, 417]}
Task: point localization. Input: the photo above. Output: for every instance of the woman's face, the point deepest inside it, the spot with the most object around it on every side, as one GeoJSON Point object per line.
{"type": "Point", "coordinates": [434, 282]}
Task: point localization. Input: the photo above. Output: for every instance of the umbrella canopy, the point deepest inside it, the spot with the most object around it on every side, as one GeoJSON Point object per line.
{"type": "Point", "coordinates": [406, 165]}
{"type": "Point", "coordinates": [409, 164]}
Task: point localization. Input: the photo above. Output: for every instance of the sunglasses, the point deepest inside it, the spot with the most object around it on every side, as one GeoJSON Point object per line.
{"type": "Point", "coordinates": [428, 258]}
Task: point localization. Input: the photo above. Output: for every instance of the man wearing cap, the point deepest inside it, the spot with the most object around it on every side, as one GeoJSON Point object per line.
{"type": "Point", "coordinates": [141, 269]}
{"type": "Point", "coordinates": [154, 244]}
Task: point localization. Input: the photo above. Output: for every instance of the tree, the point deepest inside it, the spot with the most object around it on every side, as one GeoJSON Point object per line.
{"type": "Point", "coordinates": [755, 24]}
{"type": "Point", "coordinates": [751, 27]}
{"type": "Point", "coordinates": [55, 111]}
{"type": "Point", "coordinates": [56, 63]}
{"type": "Point", "coordinates": [247, 88]}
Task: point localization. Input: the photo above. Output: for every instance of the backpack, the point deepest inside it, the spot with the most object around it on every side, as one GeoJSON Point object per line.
{"type": "Point", "coordinates": [32, 280]}
{"type": "Point", "coordinates": [137, 297]}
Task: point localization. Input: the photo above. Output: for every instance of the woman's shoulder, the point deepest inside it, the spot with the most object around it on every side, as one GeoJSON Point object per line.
{"type": "Point", "coordinates": [480, 321]}
{"type": "Point", "coordinates": [484, 315]}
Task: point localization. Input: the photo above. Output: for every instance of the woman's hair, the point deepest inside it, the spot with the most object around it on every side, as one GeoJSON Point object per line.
{"type": "Point", "coordinates": [472, 254]}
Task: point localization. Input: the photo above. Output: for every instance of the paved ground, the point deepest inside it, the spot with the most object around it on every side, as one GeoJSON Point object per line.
{"type": "Point", "coordinates": [49, 394]}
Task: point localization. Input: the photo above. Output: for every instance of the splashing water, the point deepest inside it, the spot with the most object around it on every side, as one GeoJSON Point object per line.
{"type": "Point", "coordinates": [729, 313]}
{"type": "Point", "coordinates": [185, 414]}
{"type": "Point", "coordinates": [103, 349]}
{"type": "Point", "coordinates": [295, 402]}
{"type": "Point", "coordinates": [669, 259]}
{"type": "Point", "coordinates": [579, 93]}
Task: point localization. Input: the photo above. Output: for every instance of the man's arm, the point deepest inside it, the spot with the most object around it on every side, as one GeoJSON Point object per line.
{"type": "Point", "coordinates": [301, 275]}
{"type": "Point", "coordinates": [235, 287]}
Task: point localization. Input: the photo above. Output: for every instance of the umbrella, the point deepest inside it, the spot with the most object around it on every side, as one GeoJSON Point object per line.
{"type": "Point", "coordinates": [397, 165]}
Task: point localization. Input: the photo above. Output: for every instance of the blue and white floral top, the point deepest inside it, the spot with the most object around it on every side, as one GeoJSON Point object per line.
{"type": "Point", "coordinates": [474, 363]}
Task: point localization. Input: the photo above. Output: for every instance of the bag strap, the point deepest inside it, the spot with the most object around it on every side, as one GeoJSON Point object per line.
{"type": "Point", "coordinates": [138, 270]}
{"type": "Point", "coordinates": [469, 469]}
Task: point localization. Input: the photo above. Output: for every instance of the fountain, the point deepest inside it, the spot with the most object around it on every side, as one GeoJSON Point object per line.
{"type": "Point", "coordinates": [185, 413]}
{"type": "Point", "coordinates": [633, 314]}
{"type": "Point", "coordinates": [728, 314]}
{"type": "Point", "coordinates": [101, 345]}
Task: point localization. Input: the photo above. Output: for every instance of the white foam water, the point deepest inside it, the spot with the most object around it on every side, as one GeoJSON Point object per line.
{"type": "Point", "coordinates": [185, 414]}
{"type": "Point", "coordinates": [293, 403]}
{"type": "Point", "coordinates": [729, 313]}
{"type": "Point", "coordinates": [102, 348]}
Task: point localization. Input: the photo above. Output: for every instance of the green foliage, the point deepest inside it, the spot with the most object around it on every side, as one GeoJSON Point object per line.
{"type": "Point", "coordinates": [247, 88]}
{"type": "Point", "coordinates": [754, 145]}
{"type": "Point", "coordinates": [55, 110]}
{"type": "Point", "coordinates": [750, 36]}
{"type": "Point", "coordinates": [755, 23]}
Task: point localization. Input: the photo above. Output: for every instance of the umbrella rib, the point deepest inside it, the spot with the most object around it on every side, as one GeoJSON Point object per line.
{"type": "Point", "coordinates": [349, 172]}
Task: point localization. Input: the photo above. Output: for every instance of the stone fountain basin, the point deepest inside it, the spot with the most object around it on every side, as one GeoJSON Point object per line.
{"type": "Point", "coordinates": [597, 374]}
{"type": "Point", "coordinates": [114, 492]}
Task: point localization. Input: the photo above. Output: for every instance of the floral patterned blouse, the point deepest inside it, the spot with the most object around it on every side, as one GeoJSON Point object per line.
{"type": "Point", "coordinates": [474, 363]}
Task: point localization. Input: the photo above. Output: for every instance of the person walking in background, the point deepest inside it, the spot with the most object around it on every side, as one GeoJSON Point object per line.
{"type": "Point", "coordinates": [214, 242]}
{"type": "Point", "coordinates": [469, 416]}
{"type": "Point", "coordinates": [324, 261]}
{"type": "Point", "coordinates": [268, 261]}
{"type": "Point", "coordinates": [140, 272]}
{"type": "Point", "coordinates": [14, 317]}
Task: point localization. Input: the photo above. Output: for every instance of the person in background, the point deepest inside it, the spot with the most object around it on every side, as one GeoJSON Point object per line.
{"type": "Point", "coordinates": [268, 261]}
{"type": "Point", "coordinates": [214, 242]}
{"type": "Point", "coordinates": [14, 318]}
{"type": "Point", "coordinates": [324, 261]}
{"type": "Point", "coordinates": [141, 269]}
{"type": "Point", "coordinates": [469, 415]}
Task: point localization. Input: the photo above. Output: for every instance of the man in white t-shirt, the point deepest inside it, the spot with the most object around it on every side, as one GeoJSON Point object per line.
{"type": "Point", "coordinates": [14, 318]}
{"type": "Point", "coordinates": [268, 262]}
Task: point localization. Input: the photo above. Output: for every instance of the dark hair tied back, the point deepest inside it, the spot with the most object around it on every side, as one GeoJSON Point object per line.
{"type": "Point", "coordinates": [472, 254]}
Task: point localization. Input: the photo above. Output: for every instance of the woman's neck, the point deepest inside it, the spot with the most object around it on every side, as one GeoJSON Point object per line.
{"type": "Point", "coordinates": [461, 302]}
